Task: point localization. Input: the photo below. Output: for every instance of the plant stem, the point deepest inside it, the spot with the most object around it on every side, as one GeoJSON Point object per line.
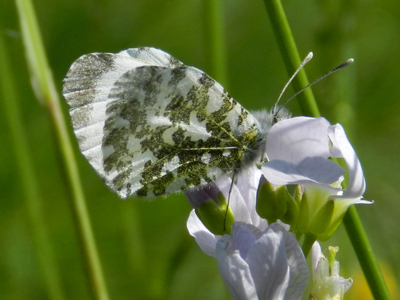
{"type": "Point", "coordinates": [291, 56]}
{"type": "Point", "coordinates": [365, 255]}
{"type": "Point", "coordinates": [29, 184]}
{"type": "Point", "coordinates": [45, 88]}
{"type": "Point", "coordinates": [308, 105]}
{"type": "Point", "coordinates": [213, 21]}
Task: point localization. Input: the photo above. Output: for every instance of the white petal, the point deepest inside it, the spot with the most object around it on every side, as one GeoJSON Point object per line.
{"type": "Point", "coordinates": [204, 238]}
{"type": "Point", "coordinates": [310, 170]}
{"type": "Point", "coordinates": [243, 237]}
{"type": "Point", "coordinates": [346, 283]}
{"type": "Point", "coordinates": [294, 139]}
{"type": "Point", "coordinates": [235, 271]}
{"type": "Point", "coordinates": [268, 266]}
{"type": "Point", "coordinates": [315, 256]}
{"type": "Point", "coordinates": [328, 284]}
{"type": "Point", "coordinates": [247, 183]}
{"type": "Point", "coordinates": [299, 273]}
{"type": "Point", "coordinates": [342, 148]}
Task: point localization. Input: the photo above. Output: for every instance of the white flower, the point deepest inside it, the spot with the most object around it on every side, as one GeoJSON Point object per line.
{"type": "Point", "coordinates": [266, 265]}
{"type": "Point", "coordinates": [328, 285]}
{"type": "Point", "coordinates": [298, 151]}
{"type": "Point", "coordinates": [242, 204]}
{"type": "Point", "coordinates": [256, 261]}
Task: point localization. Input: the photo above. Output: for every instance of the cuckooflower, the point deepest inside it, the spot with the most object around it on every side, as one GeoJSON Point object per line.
{"type": "Point", "coordinates": [298, 151]}
{"type": "Point", "coordinates": [256, 261]}
{"type": "Point", "coordinates": [328, 285]}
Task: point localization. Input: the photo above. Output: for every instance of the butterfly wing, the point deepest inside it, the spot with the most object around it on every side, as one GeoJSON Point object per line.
{"type": "Point", "coordinates": [155, 127]}
{"type": "Point", "coordinates": [87, 86]}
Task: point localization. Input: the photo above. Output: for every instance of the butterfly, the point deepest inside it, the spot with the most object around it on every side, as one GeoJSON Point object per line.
{"type": "Point", "coordinates": [150, 125]}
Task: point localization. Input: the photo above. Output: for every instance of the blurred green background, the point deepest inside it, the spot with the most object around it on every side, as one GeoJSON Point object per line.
{"type": "Point", "coordinates": [144, 247]}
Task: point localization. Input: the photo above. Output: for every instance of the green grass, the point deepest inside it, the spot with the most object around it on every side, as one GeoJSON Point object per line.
{"type": "Point", "coordinates": [144, 248]}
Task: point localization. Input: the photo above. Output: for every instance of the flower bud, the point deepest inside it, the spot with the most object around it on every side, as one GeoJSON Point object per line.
{"type": "Point", "coordinates": [212, 209]}
{"type": "Point", "coordinates": [271, 201]}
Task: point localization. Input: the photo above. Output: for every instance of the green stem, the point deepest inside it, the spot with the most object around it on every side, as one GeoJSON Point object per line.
{"type": "Point", "coordinates": [29, 184]}
{"type": "Point", "coordinates": [214, 31]}
{"type": "Point", "coordinates": [308, 105]}
{"type": "Point", "coordinates": [213, 21]}
{"type": "Point", "coordinates": [291, 56]}
{"type": "Point", "coordinates": [365, 255]}
{"type": "Point", "coordinates": [45, 87]}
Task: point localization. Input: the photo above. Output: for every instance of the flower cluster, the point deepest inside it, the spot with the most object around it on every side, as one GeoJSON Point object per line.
{"type": "Point", "coordinates": [298, 151]}
{"type": "Point", "coordinates": [253, 239]}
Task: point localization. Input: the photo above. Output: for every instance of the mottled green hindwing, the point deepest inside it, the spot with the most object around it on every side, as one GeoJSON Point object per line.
{"type": "Point", "coordinates": [151, 126]}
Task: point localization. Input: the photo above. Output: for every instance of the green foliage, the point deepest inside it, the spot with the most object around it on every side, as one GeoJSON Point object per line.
{"type": "Point", "coordinates": [144, 247]}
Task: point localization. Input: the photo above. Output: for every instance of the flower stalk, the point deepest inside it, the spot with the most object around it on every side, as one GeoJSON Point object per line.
{"type": "Point", "coordinates": [213, 23]}
{"type": "Point", "coordinates": [365, 255]}
{"type": "Point", "coordinates": [28, 177]}
{"type": "Point", "coordinates": [45, 89]}
{"type": "Point", "coordinates": [291, 56]}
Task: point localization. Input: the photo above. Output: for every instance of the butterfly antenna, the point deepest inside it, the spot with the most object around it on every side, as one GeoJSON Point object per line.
{"type": "Point", "coordinates": [341, 66]}
{"type": "Point", "coordinates": [305, 61]}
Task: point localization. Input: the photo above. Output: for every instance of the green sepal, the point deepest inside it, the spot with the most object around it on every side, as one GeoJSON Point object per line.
{"type": "Point", "coordinates": [303, 224]}
{"type": "Point", "coordinates": [292, 212]}
{"type": "Point", "coordinates": [332, 228]}
{"type": "Point", "coordinates": [216, 215]}
{"type": "Point", "coordinates": [322, 219]}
